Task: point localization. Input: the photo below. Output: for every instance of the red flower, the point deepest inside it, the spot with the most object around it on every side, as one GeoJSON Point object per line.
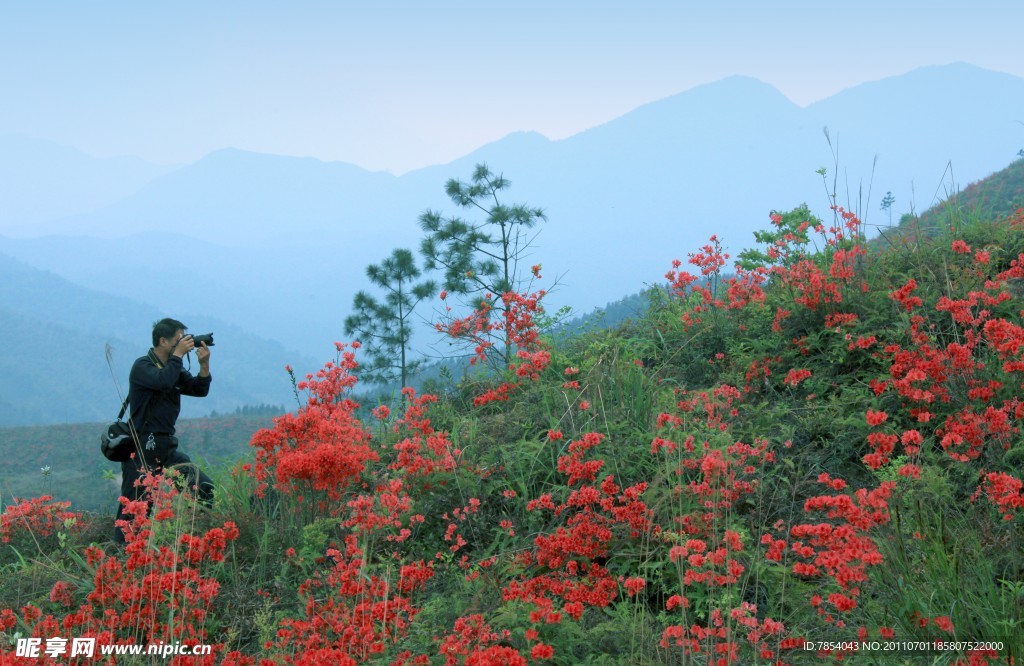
{"type": "Point", "coordinates": [542, 651]}
{"type": "Point", "coordinates": [876, 418]}
{"type": "Point", "coordinates": [634, 586]}
{"type": "Point", "coordinates": [796, 376]}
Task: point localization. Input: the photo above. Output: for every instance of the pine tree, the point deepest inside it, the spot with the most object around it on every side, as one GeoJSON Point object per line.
{"type": "Point", "coordinates": [383, 326]}
{"type": "Point", "coordinates": [887, 201]}
{"type": "Point", "coordinates": [481, 260]}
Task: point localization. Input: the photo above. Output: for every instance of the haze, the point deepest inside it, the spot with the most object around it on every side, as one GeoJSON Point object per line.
{"type": "Point", "coordinates": [400, 85]}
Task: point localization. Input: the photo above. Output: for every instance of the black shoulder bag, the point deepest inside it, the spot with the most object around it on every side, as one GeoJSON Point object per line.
{"type": "Point", "coordinates": [118, 441]}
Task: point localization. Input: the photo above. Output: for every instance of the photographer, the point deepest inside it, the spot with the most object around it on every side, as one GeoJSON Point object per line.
{"type": "Point", "coordinates": [156, 384]}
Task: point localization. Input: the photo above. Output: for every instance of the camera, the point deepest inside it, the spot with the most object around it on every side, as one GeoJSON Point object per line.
{"type": "Point", "coordinates": [203, 337]}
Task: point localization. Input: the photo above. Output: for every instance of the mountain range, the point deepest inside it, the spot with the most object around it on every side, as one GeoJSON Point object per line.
{"type": "Point", "coordinates": [276, 246]}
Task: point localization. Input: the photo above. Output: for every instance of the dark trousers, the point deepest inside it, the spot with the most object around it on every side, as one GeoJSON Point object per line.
{"type": "Point", "coordinates": [166, 456]}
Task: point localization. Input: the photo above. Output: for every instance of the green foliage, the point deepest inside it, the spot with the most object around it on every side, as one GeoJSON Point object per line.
{"type": "Point", "coordinates": [976, 555]}
{"type": "Point", "coordinates": [384, 327]}
{"type": "Point", "coordinates": [482, 260]}
{"type": "Point", "coordinates": [793, 228]}
{"type": "Point", "coordinates": [989, 201]}
{"type": "Point", "coordinates": [484, 256]}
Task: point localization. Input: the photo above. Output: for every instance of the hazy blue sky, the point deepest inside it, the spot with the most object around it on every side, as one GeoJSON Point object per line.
{"type": "Point", "coordinates": [398, 85]}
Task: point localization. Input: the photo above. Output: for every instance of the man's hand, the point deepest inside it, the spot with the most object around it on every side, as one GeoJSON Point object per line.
{"type": "Point", "coordinates": [203, 354]}
{"type": "Point", "coordinates": [184, 345]}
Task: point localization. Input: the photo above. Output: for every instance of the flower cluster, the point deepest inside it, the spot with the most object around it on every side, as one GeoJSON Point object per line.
{"type": "Point", "coordinates": [842, 549]}
{"type": "Point", "coordinates": [321, 449]}
{"type": "Point", "coordinates": [566, 572]}
{"type": "Point", "coordinates": [157, 592]}
{"type": "Point", "coordinates": [35, 518]}
{"type": "Point", "coordinates": [350, 615]}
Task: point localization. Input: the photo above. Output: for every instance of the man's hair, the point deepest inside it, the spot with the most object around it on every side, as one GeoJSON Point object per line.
{"type": "Point", "coordinates": [166, 328]}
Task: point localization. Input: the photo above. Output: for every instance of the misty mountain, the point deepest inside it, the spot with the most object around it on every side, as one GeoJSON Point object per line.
{"type": "Point", "coordinates": [278, 245]}
{"type": "Point", "coordinates": [242, 199]}
{"type": "Point", "coordinates": [55, 335]}
{"type": "Point", "coordinates": [41, 180]}
{"type": "Point", "coordinates": [905, 118]}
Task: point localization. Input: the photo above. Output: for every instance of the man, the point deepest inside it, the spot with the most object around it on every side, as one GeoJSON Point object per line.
{"type": "Point", "coordinates": [156, 384]}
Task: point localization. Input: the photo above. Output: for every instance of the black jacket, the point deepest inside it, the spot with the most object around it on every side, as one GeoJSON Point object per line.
{"type": "Point", "coordinates": [162, 385]}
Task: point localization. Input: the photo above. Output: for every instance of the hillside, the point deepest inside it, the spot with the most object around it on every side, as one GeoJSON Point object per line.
{"type": "Point", "coordinates": [816, 452]}
{"type": "Point", "coordinates": [999, 196]}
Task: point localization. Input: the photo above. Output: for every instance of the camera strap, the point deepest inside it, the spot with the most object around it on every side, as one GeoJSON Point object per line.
{"type": "Point", "coordinates": [145, 413]}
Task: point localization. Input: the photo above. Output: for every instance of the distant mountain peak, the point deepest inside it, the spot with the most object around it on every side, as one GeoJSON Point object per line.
{"type": "Point", "coordinates": [528, 136]}
{"type": "Point", "coordinates": [234, 157]}
{"type": "Point", "coordinates": [731, 86]}
{"type": "Point", "coordinates": [726, 100]}
{"type": "Point", "coordinates": [956, 83]}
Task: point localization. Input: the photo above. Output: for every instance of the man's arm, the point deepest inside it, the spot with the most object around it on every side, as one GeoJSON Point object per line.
{"type": "Point", "coordinates": [198, 387]}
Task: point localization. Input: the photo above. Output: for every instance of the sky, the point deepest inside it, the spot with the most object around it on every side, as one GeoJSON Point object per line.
{"type": "Point", "coordinates": [395, 86]}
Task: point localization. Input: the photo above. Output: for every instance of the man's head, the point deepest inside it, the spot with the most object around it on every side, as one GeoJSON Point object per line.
{"type": "Point", "coordinates": [167, 329]}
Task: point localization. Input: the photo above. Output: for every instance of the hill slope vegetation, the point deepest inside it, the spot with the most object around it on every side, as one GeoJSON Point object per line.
{"type": "Point", "coordinates": [817, 449]}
